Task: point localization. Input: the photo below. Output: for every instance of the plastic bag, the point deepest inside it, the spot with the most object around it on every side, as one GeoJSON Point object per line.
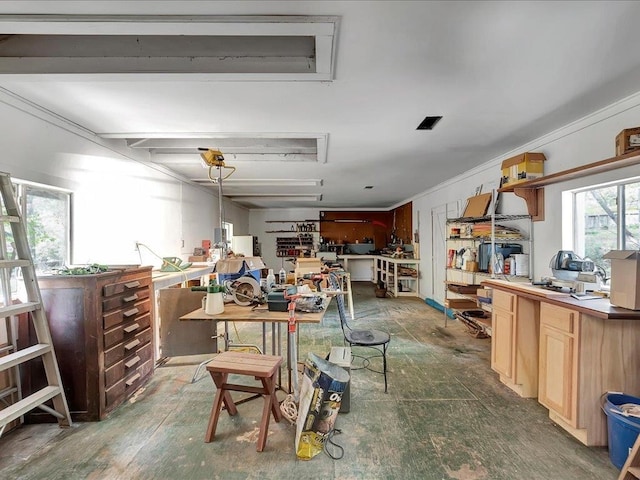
{"type": "Point", "coordinates": [312, 304]}
{"type": "Point", "coordinates": [323, 384]}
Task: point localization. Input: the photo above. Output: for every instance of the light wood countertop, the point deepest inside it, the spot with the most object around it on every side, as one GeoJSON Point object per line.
{"type": "Point", "coordinates": [601, 308]}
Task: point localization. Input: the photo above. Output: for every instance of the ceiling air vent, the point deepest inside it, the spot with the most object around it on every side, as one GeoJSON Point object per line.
{"type": "Point", "coordinates": [428, 123]}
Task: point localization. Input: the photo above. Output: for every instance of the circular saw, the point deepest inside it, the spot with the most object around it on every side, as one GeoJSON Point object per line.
{"type": "Point", "coordinates": [245, 290]}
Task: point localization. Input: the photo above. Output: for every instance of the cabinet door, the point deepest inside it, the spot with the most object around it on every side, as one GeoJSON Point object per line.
{"type": "Point", "coordinates": [502, 342]}
{"type": "Point", "coordinates": [555, 386]}
{"type": "Point", "coordinates": [502, 333]}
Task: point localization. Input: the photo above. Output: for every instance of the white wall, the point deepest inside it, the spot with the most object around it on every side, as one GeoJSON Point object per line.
{"type": "Point", "coordinates": [258, 226]}
{"type": "Point", "coordinates": [588, 140]}
{"type": "Point", "coordinates": [118, 198]}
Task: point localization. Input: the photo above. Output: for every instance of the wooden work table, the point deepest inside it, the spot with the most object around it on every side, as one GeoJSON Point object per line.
{"type": "Point", "coordinates": [566, 352]}
{"type": "Point", "coordinates": [236, 313]}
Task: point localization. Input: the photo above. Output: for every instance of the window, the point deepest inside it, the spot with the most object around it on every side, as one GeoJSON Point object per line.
{"type": "Point", "coordinates": [228, 235]}
{"type": "Point", "coordinates": [47, 215]}
{"type": "Point", "coordinates": [607, 218]}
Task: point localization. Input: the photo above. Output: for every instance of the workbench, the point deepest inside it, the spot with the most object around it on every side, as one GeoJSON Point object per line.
{"type": "Point", "coordinates": [261, 314]}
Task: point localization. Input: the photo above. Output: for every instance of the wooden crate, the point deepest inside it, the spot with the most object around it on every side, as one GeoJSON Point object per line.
{"type": "Point", "coordinates": [628, 140]}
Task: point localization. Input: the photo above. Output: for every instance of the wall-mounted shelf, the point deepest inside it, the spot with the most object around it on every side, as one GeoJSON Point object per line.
{"type": "Point", "coordinates": [532, 190]}
{"type": "Point", "coordinates": [291, 221]}
{"type": "Point", "coordinates": [293, 246]}
{"type": "Point", "coordinates": [292, 231]}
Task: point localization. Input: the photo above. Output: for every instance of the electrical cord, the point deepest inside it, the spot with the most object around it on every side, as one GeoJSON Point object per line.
{"type": "Point", "coordinates": [289, 409]}
{"type": "Point", "coordinates": [329, 441]}
{"type": "Point", "coordinates": [164, 260]}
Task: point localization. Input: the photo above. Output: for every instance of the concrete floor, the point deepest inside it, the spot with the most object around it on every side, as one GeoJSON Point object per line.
{"type": "Point", "coordinates": [446, 416]}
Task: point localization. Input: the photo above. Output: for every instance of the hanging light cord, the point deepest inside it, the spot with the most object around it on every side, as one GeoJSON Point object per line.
{"type": "Point", "coordinates": [181, 270]}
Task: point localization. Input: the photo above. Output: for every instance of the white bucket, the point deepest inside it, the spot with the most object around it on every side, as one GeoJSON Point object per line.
{"type": "Point", "coordinates": [522, 264]}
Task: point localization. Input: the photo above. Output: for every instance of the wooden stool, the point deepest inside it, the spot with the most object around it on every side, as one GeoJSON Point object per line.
{"type": "Point", "coordinates": [263, 368]}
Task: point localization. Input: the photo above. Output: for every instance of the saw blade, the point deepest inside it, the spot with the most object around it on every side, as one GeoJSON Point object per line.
{"type": "Point", "coordinates": [244, 292]}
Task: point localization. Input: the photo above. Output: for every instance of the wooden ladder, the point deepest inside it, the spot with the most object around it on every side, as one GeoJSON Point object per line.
{"type": "Point", "coordinates": [631, 468]}
{"type": "Point", "coordinates": [43, 350]}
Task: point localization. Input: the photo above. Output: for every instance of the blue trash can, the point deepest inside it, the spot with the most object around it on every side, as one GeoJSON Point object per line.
{"type": "Point", "coordinates": [621, 431]}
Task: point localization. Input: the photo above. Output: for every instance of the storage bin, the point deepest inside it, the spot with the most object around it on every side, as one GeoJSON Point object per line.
{"type": "Point", "coordinates": [622, 431]}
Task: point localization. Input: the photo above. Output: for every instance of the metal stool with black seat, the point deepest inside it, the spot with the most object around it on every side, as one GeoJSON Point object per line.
{"type": "Point", "coordinates": [370, 338]}
{"type": "Point", "coordinates": [264, 368]}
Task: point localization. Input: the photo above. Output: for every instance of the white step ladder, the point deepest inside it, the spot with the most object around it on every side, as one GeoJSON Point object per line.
{"type": "Point", "coordinates": [10, 214]}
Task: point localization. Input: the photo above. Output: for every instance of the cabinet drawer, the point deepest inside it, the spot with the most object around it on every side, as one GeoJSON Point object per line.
{"type": "Point", "coordinates": [137, 378]}
{"type": "Point", "coordinates": [504, 301]}
{"type": "Point", "coordinates": [138, 358]}
{"type": "Point", "coordinates": [132, 312]}
{"type": "Point", "coordinates": [125, 330]}
{"type": "Point", "coordinates": [125, 299]}
{"type": "Point", "coordinates": [114, 374]}
{"type": "Point", "coordinates": [115, 393]}
{"type": "Point", "coordinates": [127, 347]}
{"type": "Point", "coordinates": [556, 317]}
{"type": "Point", "coordinates": [126, 285]}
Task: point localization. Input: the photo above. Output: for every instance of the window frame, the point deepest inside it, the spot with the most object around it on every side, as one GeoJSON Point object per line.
{"type": "Point", "coordinates": [578, 218]}
{"type": "Point", "coordinates": [22, 188]}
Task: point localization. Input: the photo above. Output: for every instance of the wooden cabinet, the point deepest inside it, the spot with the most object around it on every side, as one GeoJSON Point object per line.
{"type": "Point", "coordinates": [559, 328]}
{"type": "Point", "coordinates": [502, 321]}
{"type": "Point", "coordinates": [581, 358]}
{"type": "Point", "coordinates": [102, 332]}
{"type": "Point", "coordinates": [514, 334]}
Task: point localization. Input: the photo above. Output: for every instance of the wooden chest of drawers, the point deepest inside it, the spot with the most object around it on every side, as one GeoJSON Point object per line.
{"type": "Point", "coordinates": [102, 332]}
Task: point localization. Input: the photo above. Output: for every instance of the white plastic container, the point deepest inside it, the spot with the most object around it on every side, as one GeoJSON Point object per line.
{"type": "Point", "coordinates": [271, 280]}
{"type": "Point", "coordinates": [522, 264]}
{"type": "Point", "coordinates": [213, 303]}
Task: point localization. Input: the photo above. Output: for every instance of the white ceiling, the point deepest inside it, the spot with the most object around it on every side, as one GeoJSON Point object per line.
{"type": "Point", "coordinates": [500, 73]}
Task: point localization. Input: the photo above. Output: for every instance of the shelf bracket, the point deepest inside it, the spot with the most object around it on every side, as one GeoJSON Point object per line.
{"type": "Point", "coordinates": [534, 198]}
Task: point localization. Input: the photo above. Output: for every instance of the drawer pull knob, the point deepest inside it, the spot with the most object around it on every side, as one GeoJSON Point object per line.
{"type": "Point", "coordinates": [131, 345]}
{"type": "Point", "coordinates": [135, 284]}
{"type": "Point", "coordinates": [132, 380]}
{"type": "Point", "coordinates": [130, 313]}
{"type": "Point", "coordinates": [131, 298]}
{"type": "Point", "coordinates": [132, 328]}
{"type": "Point", "coordinates": [132, 362]}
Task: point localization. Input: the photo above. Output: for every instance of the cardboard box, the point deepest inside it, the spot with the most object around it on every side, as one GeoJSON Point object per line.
{"type": "Point", "coordinates": [485, 293]}
{"type": "Point", "coordinates": [307, 265]}
{"type": "Point", "coordinates": [460, 304]}
{"type": "Point", "coordinates": [233, 268]}
{"type": "Point", "coordinates": [625, 275]}
{"type": "Point", "coordinates": [523, 167]}
{"type": "Point", "coordinates": [628, 140]}
{"type": "Point", "coordinates": [477, 206]}
{"type": "Point", "coordinates": [198, 258]}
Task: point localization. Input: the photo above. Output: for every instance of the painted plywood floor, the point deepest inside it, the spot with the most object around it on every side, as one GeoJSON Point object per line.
{"type": "Point", "coordinates": [446, 416]}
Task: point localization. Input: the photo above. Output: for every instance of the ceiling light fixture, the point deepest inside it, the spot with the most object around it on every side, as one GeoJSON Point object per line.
{"type": "Point", "coordinates": [277, 196]}
{"type": "Point", "coordinates": [268, 182]}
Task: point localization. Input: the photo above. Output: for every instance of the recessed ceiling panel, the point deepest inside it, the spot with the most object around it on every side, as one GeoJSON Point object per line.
{"type": "Point", "coordinates": [260, 47]}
